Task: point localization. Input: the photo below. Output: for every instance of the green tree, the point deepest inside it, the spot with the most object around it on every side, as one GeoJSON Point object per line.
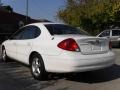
{"type": "Point", "coordinates": [91, 15]}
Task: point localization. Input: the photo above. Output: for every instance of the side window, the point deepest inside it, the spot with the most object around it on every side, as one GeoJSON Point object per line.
{"type": "Point", "coordinates": [37, 31]}
{"type": "Point", "coordinates": [105, 33]}
{"type": "Point", "coordinates": [17, 35]}
{"type": "Point", "coordinates": [30, 32]}
{"type": "Point", "coordinates": [115, 32]}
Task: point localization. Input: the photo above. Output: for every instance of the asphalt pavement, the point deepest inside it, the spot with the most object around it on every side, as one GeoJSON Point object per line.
{"type": "Point", "coordinates": [15, 76]}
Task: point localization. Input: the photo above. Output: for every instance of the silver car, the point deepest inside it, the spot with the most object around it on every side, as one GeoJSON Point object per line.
{"type": "Point", "coordinates": [113, 35]}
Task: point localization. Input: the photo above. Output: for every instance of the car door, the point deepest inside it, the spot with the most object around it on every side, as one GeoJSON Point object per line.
{"type": "Point", "coordinates": [115, 37]}
{"type": "Point", "coordinates": [11, 44]}
{"type": "Point", "coordinates": [24, 45]}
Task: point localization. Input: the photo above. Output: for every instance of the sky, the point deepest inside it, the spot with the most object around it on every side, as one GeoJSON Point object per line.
{"type": "Point", "coordinates": [38, 9]}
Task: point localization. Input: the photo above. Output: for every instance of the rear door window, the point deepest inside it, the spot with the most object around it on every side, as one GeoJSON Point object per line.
{"type": "Point", "coordinates": [28, 32]}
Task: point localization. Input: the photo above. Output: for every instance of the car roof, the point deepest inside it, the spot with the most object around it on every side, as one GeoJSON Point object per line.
{"type": "Point", "coordinates": [42, 23]}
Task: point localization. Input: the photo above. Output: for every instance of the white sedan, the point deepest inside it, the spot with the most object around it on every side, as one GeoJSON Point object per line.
{"type": "Point", "coordinates": [58, 48]}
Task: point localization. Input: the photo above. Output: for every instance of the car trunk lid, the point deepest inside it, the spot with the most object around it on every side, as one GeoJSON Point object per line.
{"type": "Point", "coordinates": [93, 45]}
{"type": "Point", "coordinates": [88, 44]}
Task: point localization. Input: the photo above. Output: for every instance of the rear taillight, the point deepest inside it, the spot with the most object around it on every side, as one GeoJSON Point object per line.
{"type": "Point", "coordinates": [110, 45]}
{"type": "Point", "coordinates": [69, 45]}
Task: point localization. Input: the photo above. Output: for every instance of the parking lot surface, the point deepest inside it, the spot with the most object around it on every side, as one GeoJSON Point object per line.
{"type": "Point", "coordinates": [15, 76]}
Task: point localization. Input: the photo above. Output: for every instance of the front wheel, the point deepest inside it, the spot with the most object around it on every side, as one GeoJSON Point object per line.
{"type": "Point", "coordinates": [4, 55]}
{"type": "Point", "coordinates": [37, 67]}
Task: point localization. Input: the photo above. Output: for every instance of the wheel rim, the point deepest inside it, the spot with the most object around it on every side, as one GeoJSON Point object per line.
{"type": "Point", "coordinates": [4, 55]}
{"type": "Point", "coordinates": [36, 66]}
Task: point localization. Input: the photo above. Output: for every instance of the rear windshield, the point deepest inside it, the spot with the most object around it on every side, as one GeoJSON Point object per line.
{"type": "Point", "coordinates": [60, 29]}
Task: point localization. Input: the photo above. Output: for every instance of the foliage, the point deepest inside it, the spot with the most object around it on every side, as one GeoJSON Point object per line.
{"type": "Point", "coordinates": [91, 15]}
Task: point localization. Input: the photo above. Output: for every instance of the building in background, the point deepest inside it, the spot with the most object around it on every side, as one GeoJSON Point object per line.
{"type": "Point", "coordinates": [10, 21]}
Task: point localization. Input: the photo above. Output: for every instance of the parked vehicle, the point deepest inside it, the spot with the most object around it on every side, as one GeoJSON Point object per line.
{"type": "Point", "coordinates": [113, 35]}
{"type": "Point", "coordinates": [58, 48]}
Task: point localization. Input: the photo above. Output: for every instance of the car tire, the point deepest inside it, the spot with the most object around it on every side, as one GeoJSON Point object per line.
{"type": "Point", "coordinates": [4, 55]}
{"type": "Point", "coordinates": [37, 67]}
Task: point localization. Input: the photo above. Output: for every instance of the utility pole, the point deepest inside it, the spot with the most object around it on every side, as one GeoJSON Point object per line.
{"type": "Point", "coordinates": [0, 3]}
{"type": "Point", "coordinates": [27, 6]}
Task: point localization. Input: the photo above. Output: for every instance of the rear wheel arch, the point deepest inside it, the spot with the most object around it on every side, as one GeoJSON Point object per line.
{"type": "Point", "coordinates": [43, 74]}
{"type": "Point", "coordinates": [32, 53]}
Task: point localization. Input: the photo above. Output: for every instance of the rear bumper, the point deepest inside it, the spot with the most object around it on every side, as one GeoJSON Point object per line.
{"type": "Point", "coordinates": [78, 63]}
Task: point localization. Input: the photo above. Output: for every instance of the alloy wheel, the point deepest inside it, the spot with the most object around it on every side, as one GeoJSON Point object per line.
{"type": "Point", "coordinates": [36, 65]}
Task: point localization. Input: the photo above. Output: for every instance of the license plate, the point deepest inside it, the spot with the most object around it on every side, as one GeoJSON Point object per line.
{"type": "Point", "coordinates": [96, 46]}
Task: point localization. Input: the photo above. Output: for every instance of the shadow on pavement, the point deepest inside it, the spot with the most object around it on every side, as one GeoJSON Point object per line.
{"type": "Point", "coordinates": [98, 76]}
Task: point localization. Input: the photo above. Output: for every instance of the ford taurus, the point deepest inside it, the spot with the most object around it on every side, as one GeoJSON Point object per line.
{"type": "Point", "coordinates": [58, 48]}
